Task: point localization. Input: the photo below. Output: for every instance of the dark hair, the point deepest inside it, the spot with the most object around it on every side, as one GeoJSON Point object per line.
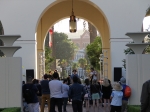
{"type": "Point", "coordinates": [37, 81]}
{"type": "Point", "coordinates": [87, 81]}
{"type": "Point", "coordinates": [55, 70]}
{"type": "Point", "coordinates": [65, 80]}
{"type": "Point", "coordinates": [74, 70]}
{"type": "Point", "coordinates": [75, 79]}
{"type": "Point", "coordinates": [34, 81]}
{"type": "Point", "coordinates": [92, 68]}
{"type": "Point", "coordinates": [45, 76]}
{"type": "Point", "coordinates": [23, 82]}
{"type": "Point", "coordinates": [55, 75]}
{"type": "Point", "coordinates": [29, 79]}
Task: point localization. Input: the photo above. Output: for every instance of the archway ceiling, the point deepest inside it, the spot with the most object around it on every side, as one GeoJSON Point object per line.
{"type": "Point", "coordinates": [82, 9]}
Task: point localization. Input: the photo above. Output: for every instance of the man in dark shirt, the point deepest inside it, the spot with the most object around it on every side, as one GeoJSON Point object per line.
{"type": "Point", "coordinates": [45, 93]}
{"type": "Point", "coordinates": [76, 93]}
{"type": "Point", "coordinates": [30, 91]}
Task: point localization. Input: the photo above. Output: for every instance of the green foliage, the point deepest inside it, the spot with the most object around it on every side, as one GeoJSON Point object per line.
{"type": "Point", "coordinates": [14, 109]}
{"type": "Point", "coordinates": [93, 52]}
{"type": "Point", "coordinates": [134, 108]}
{"type": "Point", "coordinates": [82, 62]}
{"type": "Point", "coordinates": [48, 59]}
{"type": "Point", "coordinates": [63, 47]}
{"type": "Point", "coordinates": [75, 66]}
{"type": "Point", "coordinates": [128, 51]}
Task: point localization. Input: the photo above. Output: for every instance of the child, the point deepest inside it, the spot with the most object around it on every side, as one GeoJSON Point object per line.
{"type": "Point", "coordinates": [116, 97]}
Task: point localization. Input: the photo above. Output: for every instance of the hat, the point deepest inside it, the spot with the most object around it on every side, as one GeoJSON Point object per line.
{"type": "Point", "coordinates": [117, 87]}
{"type": "Point", "coordinates": [123, 80]}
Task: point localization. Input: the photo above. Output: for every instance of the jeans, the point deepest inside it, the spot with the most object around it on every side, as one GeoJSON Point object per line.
{"type": "Point", "coordinates": [54, 102]}
{"type": "Point", "coordinates": [65, 100]}
{"type": "Point", "coordinates": [77, 106]}
{"type": "Point", "coordinates": [33, 107]}
{"type": "Point", "coordinates": [44, 98]}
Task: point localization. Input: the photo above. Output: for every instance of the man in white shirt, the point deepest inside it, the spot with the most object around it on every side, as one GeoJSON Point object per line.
{"type": "Point", "coordinates": [55, 87]}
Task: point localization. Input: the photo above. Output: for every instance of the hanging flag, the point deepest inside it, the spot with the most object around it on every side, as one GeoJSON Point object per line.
{"type": "Point", "coordinates": [50, 37]}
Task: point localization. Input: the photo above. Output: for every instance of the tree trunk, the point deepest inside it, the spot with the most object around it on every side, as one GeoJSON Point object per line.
{"type": "Point", "coordinates": [93, 32]}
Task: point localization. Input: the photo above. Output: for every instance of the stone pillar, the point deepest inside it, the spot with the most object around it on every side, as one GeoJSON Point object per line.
{"type": "Point", "coordinates": [137, 66]}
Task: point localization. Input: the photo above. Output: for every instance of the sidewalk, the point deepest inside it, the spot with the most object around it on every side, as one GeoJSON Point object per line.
{"type": "Point", "coordinates": [69, 109]}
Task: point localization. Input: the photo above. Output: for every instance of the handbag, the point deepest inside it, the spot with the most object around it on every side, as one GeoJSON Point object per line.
{"type": "Point", "coordinates": [86, 95]}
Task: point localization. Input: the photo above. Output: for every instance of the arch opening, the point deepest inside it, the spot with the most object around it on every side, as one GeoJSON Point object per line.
{"type": "Point", "coordinates": [52, 14]}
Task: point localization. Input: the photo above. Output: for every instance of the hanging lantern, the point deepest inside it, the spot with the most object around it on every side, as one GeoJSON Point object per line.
{"type": "Point", "coordinates": [72, 22]}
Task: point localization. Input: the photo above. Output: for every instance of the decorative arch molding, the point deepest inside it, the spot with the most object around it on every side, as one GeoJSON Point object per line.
{"type": "Point", "coordinates": [52, 14]}
{"type": "Point", "coordinates": [61, 9]}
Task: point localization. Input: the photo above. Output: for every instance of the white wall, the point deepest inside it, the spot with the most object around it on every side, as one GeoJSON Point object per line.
{"type": "Point", "coordinates": [21, 17]}
{"type": "Point", "coordinates": [117, 53]}
{"type": "Point", "coordinates": [10, 82]}
{"type": "Point", "coordinates": [138, 72]}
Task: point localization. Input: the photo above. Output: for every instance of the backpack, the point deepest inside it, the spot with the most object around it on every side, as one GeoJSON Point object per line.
{"type": "Point", "coordinates": [28, 94]}
{"type": "Point", "coordinates": [127, 92]}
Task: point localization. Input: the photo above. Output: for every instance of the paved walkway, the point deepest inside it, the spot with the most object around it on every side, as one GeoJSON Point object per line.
{"type": "Point", "coordinates": [69, 109]}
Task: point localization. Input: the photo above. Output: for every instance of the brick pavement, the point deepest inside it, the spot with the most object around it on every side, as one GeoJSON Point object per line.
{"type": "Point", "coordinates": [69, 109]}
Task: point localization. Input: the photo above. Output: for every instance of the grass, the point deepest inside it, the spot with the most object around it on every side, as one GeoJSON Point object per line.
{"type": "Point", "coordinates": [134, 108]}
{"type": "Point", "coordinates": [14, 109]}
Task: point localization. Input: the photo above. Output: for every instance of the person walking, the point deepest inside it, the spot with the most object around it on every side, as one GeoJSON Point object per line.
{"type": "Point", "coordinates": [30, 91]}
{"type": "Point", "coordinates": [45, 93]}
{"type": "Point", "coordinates": [56, 88]}
{"type": "Point", "coordinates": [106, 90]}
{"type": "Point", "coordinates": [39, 94]}
{"type": "Point", "coordinates": [76, 93]}
{"type": "Point", "coordinates": [145, 97]}
{"type": "Point", "coordinates": [116, 97]}
{"type": "Point", "coordinates": [95, 92]}
{"type": "Point", "coordinates": [87, 96]}
{"type": "Point", "coordinates": [74, 73]}
{"type": "Point", "coordinates": [65, 94]}
{"type": "Point", "coordinates": [124, 99]}
{"type": "Point", "coordinates": [93, 75]}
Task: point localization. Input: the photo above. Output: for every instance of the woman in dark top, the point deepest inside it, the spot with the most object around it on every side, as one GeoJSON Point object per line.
{"type": "Point", "coordinates": [95, 90]}
{"type": "Point", "coordinates": [106, 90]}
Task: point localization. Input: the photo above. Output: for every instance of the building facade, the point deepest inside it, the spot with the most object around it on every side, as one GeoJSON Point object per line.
{"type": "Point", "coordinates": [33, 19]}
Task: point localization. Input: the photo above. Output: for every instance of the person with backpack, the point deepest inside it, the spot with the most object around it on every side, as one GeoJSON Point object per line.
{"type": "Point", "coordinates": [30, 91]}
{"type": "Point", "coordinates": [126, 94]}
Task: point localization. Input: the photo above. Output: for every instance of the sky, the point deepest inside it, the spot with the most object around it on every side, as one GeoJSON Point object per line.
{"type": "Point", "coordinates": [63, 26]}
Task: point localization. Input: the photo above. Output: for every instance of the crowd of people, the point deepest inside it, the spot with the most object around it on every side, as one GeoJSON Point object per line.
{"type": "Point", "coordinates": [92, 94]}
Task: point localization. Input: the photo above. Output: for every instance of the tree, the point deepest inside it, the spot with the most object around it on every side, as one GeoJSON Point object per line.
{"type": "Point", "coordinates": [82, 62]}
{"type": "Point", "coordinates": [93, 51]}
{"type": "Point", "coordinates": [93, 32]}
{"type": "Point", "coordinates": [64, 47]}
{"type": "Point", "coordinates": [48, 59]}
{"type": "Point", "coordinates": [75, 65]}
{"type": "Point", "coordinates": [64, 64]}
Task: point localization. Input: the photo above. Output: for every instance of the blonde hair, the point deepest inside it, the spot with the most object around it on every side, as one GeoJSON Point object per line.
{"type": "Point", "coordinates": [106, 82]}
